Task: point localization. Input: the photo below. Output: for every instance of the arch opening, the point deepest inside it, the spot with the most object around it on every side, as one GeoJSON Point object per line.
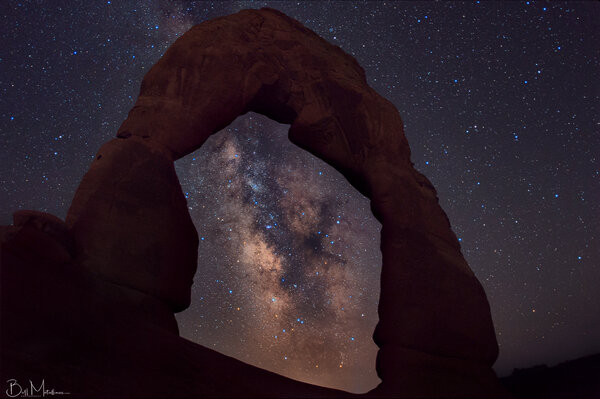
{"type": "Point", "coordinates": [288, 262]}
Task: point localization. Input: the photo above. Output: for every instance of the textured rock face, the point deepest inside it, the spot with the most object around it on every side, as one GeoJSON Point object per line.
{"type": "Point", "coordinates": [131, 222]}
{"type": "Point", "coordinates": [130, 227]}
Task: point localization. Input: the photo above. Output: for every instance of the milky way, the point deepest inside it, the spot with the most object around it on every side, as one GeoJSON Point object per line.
{"type": "Point", "coordinates": [287, 255]}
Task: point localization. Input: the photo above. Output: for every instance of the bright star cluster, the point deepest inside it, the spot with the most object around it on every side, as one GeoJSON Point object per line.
{"type": "Point", "coordinates": [500, 104]}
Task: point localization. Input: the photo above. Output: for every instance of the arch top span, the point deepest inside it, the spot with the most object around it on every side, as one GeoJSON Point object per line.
{"type": "Point", "coordinates": [435, 331]}
{"type": "Point", "coordinates": [266, 62]}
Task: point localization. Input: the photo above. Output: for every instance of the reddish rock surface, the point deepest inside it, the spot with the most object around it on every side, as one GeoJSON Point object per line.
{"type": "Point", "coordinates": [131, 224]}
{"type": "Point", "coordinates": [130, 251]}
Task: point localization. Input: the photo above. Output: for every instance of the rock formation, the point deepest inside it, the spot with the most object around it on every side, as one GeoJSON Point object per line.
{"type": "Point", "coordinates": [579, 378]}
{"type": "Point", "coordinates": [127, 251]}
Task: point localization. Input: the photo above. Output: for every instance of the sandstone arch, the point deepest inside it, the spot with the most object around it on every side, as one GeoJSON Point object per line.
{"type": "Point", "coordinates": [435, 332]}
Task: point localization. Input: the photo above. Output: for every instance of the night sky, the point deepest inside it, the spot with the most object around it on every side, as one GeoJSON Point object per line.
{"type": "Point", "coordinates": [500, 106]}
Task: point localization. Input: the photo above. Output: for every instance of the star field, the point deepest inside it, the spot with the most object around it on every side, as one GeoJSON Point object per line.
{"type": "Point", "coordinates": [500, 106]}
{"type": "Point", "coordinates": [292, 276]}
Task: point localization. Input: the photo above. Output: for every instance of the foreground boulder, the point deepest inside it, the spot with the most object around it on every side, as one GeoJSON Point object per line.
{"type": "Point", "coordinates": [109, 279]}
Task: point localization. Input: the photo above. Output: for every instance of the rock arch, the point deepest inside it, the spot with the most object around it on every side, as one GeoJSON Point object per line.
{"type": "Point", "coordinates": [435, 332]}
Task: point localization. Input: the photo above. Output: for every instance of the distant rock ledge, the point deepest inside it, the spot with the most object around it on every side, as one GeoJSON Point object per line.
{"type": "Point", "coordinates": [578, 378]}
